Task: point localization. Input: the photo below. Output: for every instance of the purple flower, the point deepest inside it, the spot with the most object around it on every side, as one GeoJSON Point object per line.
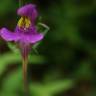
{"type": "Point", "coordinates": [25, 34]}
{"type": "Point", "coordinates": [25, 31]}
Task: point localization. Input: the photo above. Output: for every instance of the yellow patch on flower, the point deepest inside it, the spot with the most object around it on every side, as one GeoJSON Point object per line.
{"type": "Point", "coordinates": [24, 22]}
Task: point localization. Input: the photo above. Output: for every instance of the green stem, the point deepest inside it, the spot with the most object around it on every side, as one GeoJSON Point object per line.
{"type": "Point", "coordinates": [24, 68]}
{"type": "Point", "coordinates": [21, 2]}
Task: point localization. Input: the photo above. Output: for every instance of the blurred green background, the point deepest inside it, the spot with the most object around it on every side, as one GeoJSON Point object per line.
{"type": "Point", "coordinates": [66, 61]}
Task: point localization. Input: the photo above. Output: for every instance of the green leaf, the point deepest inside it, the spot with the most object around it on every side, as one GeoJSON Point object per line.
{"type": "Point", "coordinates": [13, 82]}
{"type": "Point", "coordinates": [13, 47]}
{"type": "Point", "coordinates": [7, 94]}
{"type": "Point", "coordinates": [44, 32]}
{"type": "Point", "coordinates": [51, 88]}
{"type": "Point", "coordinates": [46, 28]}
{"type": "Point", "coordinates": [10, 58]}
{"type": "Point", "coordinates": [58, 86]}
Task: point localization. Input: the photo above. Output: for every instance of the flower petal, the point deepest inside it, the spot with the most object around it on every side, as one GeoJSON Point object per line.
{"type": "Point", "coordinates": [32, 38]}
{"type": "Point", "coordinates": [28, 11]}
{"type": "Point", "coordinates": [9, 36]}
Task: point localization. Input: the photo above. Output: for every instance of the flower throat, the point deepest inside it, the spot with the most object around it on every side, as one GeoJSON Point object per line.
{"type": "Point", "coordinates": [24, 23]}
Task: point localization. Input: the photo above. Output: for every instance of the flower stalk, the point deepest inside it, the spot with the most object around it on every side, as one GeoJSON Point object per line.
{"type": "Point", "coordinates": [21, 2]}
{"type": "Point", "coordinates": [24, 49]}
{"type": "Point", "coordinates": [24, 68]}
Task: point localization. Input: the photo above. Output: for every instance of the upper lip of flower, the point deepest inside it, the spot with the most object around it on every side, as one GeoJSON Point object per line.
{"type": "Point", "coordinates": [28, 11]}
